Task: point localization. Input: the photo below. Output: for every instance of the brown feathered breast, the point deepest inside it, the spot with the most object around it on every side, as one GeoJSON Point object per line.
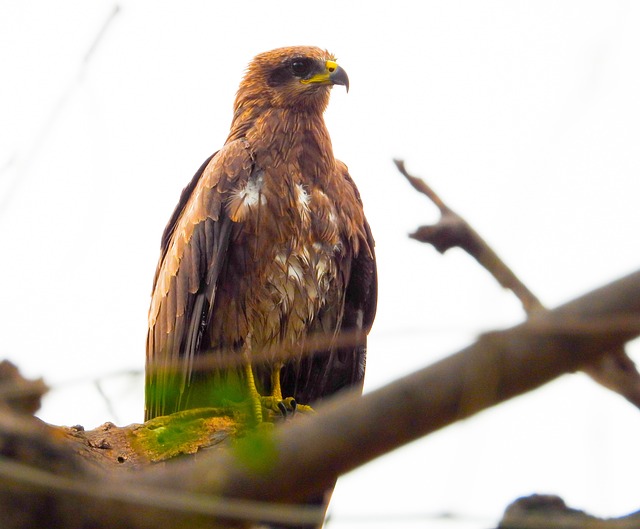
{"type": "Point", "coordinates": [267, 250]}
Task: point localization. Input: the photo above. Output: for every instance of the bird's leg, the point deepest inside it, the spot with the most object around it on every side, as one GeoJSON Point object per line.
{"type": "Point", "coordinates": [276, 389]}
{"type": "Point", "coordinates": [254, 397]}
{"type": "Point", "coordinates": [255, 403]}
{"type": "Point", "coordinates": [275, 401]}
{"type": "Point", "coordinates": [271, 403]}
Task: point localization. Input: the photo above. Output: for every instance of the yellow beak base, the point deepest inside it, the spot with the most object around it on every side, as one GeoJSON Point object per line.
{"type": "Point", "coordinates": [333, 74]}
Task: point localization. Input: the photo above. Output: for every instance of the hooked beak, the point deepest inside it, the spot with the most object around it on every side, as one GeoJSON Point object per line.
{"type": "Point", "coordinates": [333, 74]}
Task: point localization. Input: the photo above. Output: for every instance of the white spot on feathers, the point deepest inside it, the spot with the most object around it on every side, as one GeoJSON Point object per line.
{"type": "Point", "coordinates": [303, 202]}
{"type": "Point", "coordinates": [245, 199]}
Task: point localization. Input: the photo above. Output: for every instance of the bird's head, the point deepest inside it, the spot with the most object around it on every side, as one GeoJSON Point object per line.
{"type": "Point", "coordinates": [298, 77]}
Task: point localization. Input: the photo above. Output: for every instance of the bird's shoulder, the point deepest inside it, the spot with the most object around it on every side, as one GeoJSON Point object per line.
{"type": "Point", "coordinates": [203, 198]}
{"type": "Point", "coordinates": [225, 170]}
{"type": "Point", "coordinates": [350, 204]}
{"type": "Point", "coordinates": [343, 173]}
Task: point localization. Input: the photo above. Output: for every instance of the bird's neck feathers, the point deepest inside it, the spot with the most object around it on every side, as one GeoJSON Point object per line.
{"type": "Point", "coordinates": [274, 132]}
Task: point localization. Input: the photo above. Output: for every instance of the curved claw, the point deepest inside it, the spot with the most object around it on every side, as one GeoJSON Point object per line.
{"type": "Point", "coordinates": [291, 404]}
{"type": "Point", "coordinates": [286, 407]}
{"type": "Point", "coordinates": [277, 405]}
{"type": "Point", "coordinates": [304, 408]}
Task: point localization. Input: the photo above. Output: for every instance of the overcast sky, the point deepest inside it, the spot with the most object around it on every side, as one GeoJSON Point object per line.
{"type": "Point", "coordinates": [524, 116]}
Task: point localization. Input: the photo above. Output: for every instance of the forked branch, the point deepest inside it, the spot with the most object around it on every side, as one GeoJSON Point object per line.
{"type": "Point", "coordinates": [615, 370]}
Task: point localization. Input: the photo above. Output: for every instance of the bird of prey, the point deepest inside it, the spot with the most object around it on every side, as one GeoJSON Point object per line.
{"type": "Point", "coordinates": [267, 258]}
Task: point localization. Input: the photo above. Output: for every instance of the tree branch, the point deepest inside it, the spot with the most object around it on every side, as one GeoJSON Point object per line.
{"type": "Point", "coordinates": [550, 512]}
{"type": "Point", "coordinates": [615, 370]}
{"type": "Point", "coordinates": [452, 230]}
{"type": "Point", "coordinates": [292, 462]}
{"type": "Point", "coordinates": [350, 431]}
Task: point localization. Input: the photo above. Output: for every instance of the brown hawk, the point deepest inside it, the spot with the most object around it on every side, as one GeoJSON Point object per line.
{"type": "Point", "coordinates": [268, 255]}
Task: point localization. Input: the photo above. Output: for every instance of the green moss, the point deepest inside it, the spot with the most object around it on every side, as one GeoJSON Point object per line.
{"type": "Point", "coordinates": [184, 432]}
{"type": "Point", "coordinates": [257, 450]}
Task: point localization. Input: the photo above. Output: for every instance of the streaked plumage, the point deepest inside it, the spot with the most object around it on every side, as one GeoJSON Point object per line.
{"type": "Point", "coordinates": [267, 249]}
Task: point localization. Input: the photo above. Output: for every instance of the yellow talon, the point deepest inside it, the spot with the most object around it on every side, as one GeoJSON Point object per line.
{"type": "Point", "coordinates": [255, 400]}
{"type": "Point", "coordinates": [304, 408]}
{"type": "Point", "coordinates": [272, 403]}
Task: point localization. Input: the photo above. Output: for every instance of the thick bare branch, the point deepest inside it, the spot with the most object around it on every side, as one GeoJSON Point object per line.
{"type": "Point", "coordinates": [303, 457]}
{"type": "Point", "coordinates": [288, 464]}
{"type": "Point", "coordinates": [350, 431]}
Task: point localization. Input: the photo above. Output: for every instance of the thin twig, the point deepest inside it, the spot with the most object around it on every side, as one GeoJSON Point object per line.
{"type": "Point", "coordinates": [452, 230]}
{"type": "Point", "coordinates": [107, 401]}
{"type": "Point", "coordinates": [99, 36]}
{"type": "Point", "coordinates": [230, 358]}
{"type": "Point", "coordinates": [48, 124]}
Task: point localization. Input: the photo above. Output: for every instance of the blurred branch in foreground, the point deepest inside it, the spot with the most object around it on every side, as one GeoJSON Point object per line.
{"type": "Point", "coordinates": [350, 431]}
{"type": "Point", "coordinates": [614, 370]}
{"type": "Point", "coordinates": [257, 476]}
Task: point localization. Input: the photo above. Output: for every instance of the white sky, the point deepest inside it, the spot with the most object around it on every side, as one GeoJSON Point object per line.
{"type": "Point", "coordinates": [525, 116]}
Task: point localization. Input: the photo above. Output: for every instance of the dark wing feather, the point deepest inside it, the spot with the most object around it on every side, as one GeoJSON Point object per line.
{"type": "Point", "coordinates": [346, 321]}
{"type": "Point", "coordinates": [194, 250]}
{"type": "Point", "coordinates": [173, 221]}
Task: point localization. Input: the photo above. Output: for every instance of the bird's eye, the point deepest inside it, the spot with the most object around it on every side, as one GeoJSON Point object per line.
{"type": "Point", "coordinates": [301, 67]}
